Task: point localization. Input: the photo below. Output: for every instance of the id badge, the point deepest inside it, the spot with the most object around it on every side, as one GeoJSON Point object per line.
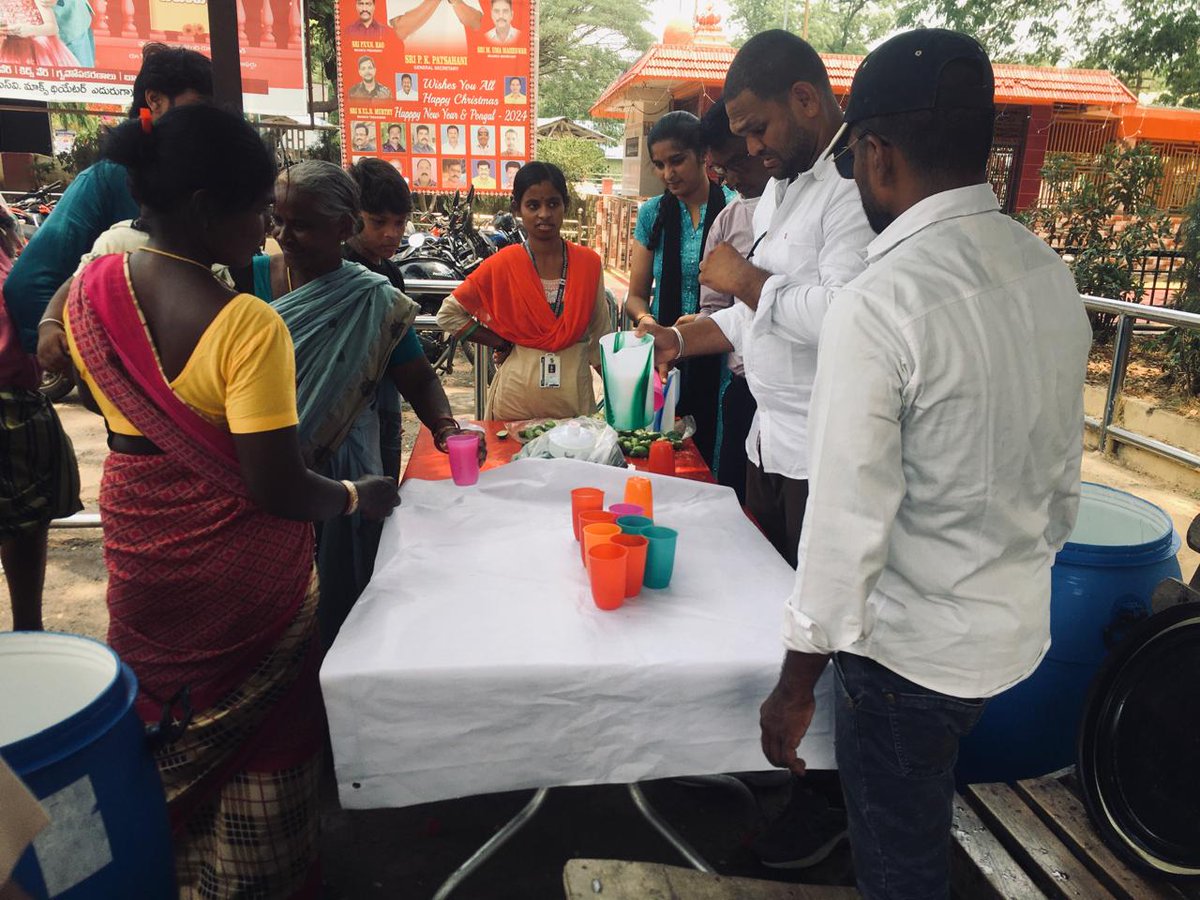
{"type": "Point", "coordinates": [551, 367]}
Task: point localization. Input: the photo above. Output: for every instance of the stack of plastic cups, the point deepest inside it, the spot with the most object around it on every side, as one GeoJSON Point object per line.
{"type": "Point", "coordinates": [594, 534]}
{"type": "Point", "coordinates": [584, 499]}
{"type": "Point", "coordinates": [639, 491]}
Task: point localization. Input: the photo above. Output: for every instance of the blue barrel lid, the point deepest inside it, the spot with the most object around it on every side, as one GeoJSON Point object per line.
{"type": "Point", "coordinates": [97, 689]}
{"type": "Point", "coordinates": [1114, 528]}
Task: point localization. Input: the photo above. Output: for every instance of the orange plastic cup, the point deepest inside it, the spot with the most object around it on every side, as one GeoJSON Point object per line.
{"type": "Point", "coordinates": [635, 563]}
{"type": "Point", "coordinates": [639, 490]}
{"type": "Point", "coordinates": [662, 458]}
{"type": "Point", "coordinates": [597, 533]}
{"type": "Point", "coordinates": [582, 500]}
{"type": "Point", "coordinates": [606, 572]}
{"type": "Point", "coordinates": [590, 517]}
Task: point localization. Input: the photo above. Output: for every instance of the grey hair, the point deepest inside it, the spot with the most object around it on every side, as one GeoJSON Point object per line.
{"type": "Point", "coordinates": [335, 192]}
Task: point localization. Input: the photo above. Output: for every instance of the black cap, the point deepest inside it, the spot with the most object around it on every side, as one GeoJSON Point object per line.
{"type": "Point", "coordinates": [903, 74]}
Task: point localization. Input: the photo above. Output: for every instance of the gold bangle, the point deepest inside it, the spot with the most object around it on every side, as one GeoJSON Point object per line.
{"type": "Point", "coordinates": [52, 320]}
{"type": "Point", "coordinates": [351, 498]}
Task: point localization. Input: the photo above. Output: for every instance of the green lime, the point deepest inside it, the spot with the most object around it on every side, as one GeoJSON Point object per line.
{"type": "Point", "coordinates": [678, 445]}
{"type": "Point", "coordinates": [639, 452]}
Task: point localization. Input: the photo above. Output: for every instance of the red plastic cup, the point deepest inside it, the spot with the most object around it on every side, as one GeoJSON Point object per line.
{"type": "Point", "coordinates": [582, 500]}
{"type": "Point", "coordinates": [635, 563]}
{"type": "Point", "coordinates": [640, 491]}
{"type": "Point", "coordinates": [662, 458]}
{"type": "Point", "coordinates": [596, 533]}
{"type": "Point", "coordinates": [606, 572]}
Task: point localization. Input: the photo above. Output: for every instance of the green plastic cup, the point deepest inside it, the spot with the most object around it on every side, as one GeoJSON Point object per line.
{"type": "Point", "coordinates": [634, 524]}
{"type": "Point", "coordinates": [660, 555]}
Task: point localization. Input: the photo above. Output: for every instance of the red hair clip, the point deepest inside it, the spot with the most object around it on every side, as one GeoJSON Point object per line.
{"type": "Point", "coordinates": [147, 119]}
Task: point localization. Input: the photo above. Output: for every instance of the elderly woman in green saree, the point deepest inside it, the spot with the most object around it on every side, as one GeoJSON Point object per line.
{"type": "Point", "coordinates": [352, 329]}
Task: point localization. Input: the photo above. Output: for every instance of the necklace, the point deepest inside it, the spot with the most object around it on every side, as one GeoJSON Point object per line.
{"type": "Point", "coordinates": [287, 271]}
{"type": "Point", "coordinates": [185, 259]}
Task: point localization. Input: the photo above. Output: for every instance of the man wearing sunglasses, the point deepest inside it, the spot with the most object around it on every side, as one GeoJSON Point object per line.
{"type": "Point", "coordinates": [945, 448]}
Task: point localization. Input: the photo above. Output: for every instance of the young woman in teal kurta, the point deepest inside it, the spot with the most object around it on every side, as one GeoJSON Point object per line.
{"type": "Point", "coordinates": [671, 231]}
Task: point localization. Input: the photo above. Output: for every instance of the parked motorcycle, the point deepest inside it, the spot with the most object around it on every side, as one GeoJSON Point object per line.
{"type": "Point", "coordinates": [31, 209]}
{"type": "Point", "coordinates": [451, 249]}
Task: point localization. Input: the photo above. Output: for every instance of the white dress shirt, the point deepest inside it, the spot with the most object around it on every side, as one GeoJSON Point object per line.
{"type": "Point", "coordinates": [442, 33]}
{"type": "Point", "coordinates": [946, 441]}
{"type": "Point", "coordinates": [813, 236]}
{"type": "Point", "coordinates": [735, 225]}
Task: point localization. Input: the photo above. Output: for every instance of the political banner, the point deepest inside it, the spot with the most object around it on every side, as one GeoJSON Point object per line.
{"type": "Point", "coordinates": [89, 51]}
{"type": "Point", "coordinates": [444, 90]}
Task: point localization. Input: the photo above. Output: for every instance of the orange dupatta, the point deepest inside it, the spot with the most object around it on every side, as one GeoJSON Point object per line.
{"type": "Point", "coordinates": [505, 294]}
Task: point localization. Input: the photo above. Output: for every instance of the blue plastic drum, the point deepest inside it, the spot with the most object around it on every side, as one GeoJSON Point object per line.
{"type": "Point", "coordinates": [1101, 583]}
{"type": "Point", "coordinates": [68, 729]}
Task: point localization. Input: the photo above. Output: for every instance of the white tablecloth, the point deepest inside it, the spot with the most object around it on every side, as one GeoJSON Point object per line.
{"type": "Point", "coordinates": [476, 662]}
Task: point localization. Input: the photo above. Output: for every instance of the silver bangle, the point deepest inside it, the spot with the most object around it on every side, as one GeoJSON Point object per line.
{"type": "Point", "coordinates": [679, 337]}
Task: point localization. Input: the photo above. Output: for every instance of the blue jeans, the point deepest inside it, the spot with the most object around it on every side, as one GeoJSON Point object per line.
{"type": "Point", "coordinates": [897, 743]}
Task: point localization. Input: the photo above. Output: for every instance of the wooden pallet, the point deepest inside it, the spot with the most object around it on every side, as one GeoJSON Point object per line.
{"type": "Point", "coordinates": [613, 879]}
{"type": "Point", "coordinates": [1034, 839]}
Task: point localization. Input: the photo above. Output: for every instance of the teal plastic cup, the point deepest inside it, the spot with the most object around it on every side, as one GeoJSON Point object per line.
{"type": "Point", "coordinates": [634, 524]}
{"type": "Point", "coordinates": [660, 555]}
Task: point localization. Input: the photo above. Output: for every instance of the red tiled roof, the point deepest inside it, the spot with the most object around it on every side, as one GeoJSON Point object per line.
{"type": "Point", "coordinates": [672, 64]}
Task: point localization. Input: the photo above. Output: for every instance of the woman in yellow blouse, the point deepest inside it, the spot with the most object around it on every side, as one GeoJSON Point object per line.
{"type": "Point", "coordinates": [207, 505]}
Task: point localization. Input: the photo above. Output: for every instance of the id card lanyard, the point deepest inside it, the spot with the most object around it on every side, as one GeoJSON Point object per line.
{"type": "Point", "coordinates": [551, 365]}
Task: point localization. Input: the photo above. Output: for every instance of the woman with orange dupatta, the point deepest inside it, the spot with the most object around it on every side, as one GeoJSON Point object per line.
{"type": "Point", "coordinates": [207, 507]}
{"type": "Point", "coordinates": [540, 306]}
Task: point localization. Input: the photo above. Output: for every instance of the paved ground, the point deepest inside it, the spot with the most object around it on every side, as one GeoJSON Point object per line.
{"type": "Point", "coordinates": [407, 853]}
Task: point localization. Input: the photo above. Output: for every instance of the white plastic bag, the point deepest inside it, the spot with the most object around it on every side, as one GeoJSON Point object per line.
{"type": "Point", "coordinates": [569, 439]}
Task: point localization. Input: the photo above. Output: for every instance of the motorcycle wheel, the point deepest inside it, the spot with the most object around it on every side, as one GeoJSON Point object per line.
{"type": "Point", "coordinates": [55, 386]}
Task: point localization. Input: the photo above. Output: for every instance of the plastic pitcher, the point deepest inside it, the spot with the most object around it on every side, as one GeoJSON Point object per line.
{"type": "Point", "coordinates": [627, 364]}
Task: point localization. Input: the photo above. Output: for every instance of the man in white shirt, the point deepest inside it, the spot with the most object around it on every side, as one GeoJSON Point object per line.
{"type": "Point", "coordinates": [502, 33]}
{"type": "Point", "coordinates": [406, 89]}
{"type": "Point", "coordinates": [434, 26]}
{"type": "Point", "coordinates": [810, 236]}
{"type": "Point", "coordinates": [482, 145]}
{"type": "Point", "coordinates": [946, 441]}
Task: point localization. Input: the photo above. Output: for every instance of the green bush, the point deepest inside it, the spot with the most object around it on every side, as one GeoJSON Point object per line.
{"type": "Point", "coordinates": [1182, 344]}
{"type": "Point", "coordinates": [1105, 221]}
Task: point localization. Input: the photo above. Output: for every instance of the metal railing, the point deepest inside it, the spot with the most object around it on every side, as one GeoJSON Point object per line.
{"type": "Point", "coordinates": [1127, 314]}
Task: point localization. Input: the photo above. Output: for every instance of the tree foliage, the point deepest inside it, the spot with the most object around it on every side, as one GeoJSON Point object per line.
{"type": "Point", "coordinates": [1147, 43]}
{"type": "Point", "coordinates": [579, 159]}
{"type": "Point", "coordinates": [1150, 44]}
{"type": "Point", "coordinates": [583, 46]}
{"type": "Point", "coordinates": [834, 26]}
{"type": "Point", "coordinates": [1026, 31]}
{"type": "Point", "coordinates": [1104, 221]}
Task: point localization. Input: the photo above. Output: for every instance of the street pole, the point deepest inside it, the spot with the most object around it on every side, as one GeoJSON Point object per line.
{"type": "Point", "coordinates": [226, 54]}
{"type": "Point", "coordinates": [806, 5]}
